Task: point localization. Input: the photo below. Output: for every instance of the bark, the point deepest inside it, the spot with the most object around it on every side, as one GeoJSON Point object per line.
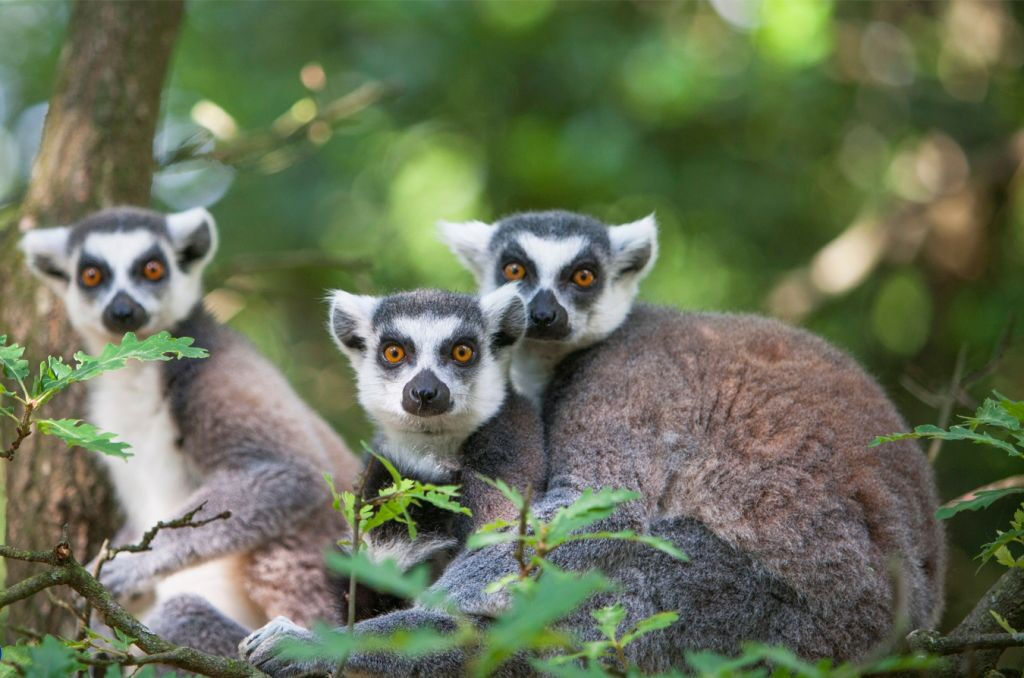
{"type": "Point", "coordinates": [96, 151]}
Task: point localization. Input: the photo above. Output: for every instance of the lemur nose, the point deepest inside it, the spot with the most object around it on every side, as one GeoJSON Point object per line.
{"type": "Point", "coordinates": [426, 395]}
{"type": "Point", "coordinates": [124, 314]}
{"type": "Point", "coordinates": [543, 317]}
{"type": "Point", "coordinates": [548, 318]}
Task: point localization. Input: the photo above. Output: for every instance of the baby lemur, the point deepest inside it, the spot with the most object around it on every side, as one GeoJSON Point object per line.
{"type": "Point", "coordinates": [228, 431]}
{"type": "Point", "coordinates": [431, 369]}
{"type": "Point", "coordinates": [747, 439]}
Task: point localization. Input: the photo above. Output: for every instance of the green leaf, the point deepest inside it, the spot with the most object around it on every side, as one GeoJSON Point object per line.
{"type": "Point", "coordinates": [1001, 541]}
{"type": "Point", "coordinates": [655, 622]}
{"type": "Point", "coordinates": [337, 644]}
{"type": "Point", "coordinates": [608, 620]}
{"type": "Point", "coordinates": [11, 361]}
{"type": "Point", "coordinates": [553, 667]}
{"type": "Point", "coordinates": [479, 540]}
{"type": "Point", "coordinates": [161, 346]}
{"type": "Point", "coordinates": [51, 659]}
{"type": "Point", "coordinates": [77, 433]}
{"type": "Point", "coordinates": [381, 576]}
{"type": "Point", "coordinates": [525, 625]}
{"type": "Point", "coordinates": [589, 508]}
{"type": "Point", "coordinates": [122, 641]}
{"type": "Point", "coordinates": [982, 499]}
{"type": "Point", "coordinates": [954, 433]}
{"type": "Point", "coordinates": [1001, 620]}
{"type": "Point", "coordinates": [396, 477]}
{"type": "Point", "coordinates": [993, 413]}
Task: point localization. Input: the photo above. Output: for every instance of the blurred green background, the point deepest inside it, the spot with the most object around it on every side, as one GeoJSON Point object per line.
{"type": "Point", "coordinates": [852, 167]}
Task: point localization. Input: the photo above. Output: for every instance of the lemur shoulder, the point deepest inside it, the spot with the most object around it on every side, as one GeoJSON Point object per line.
{"type": "Point", "coordinates": [228, 431]}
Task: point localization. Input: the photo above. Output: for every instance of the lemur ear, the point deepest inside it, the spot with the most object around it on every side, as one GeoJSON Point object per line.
{"type": "Point", "coordinates": [46, 253]}
{"type": "Point", "coordinates": [194, 237]}
{"type": "Point", "coordinates": [469, 241]}
{"type": "Point", "coordinates": [634, 247]}
{"type": "Point", "coordinates": [348, 321]}
{"type": "Point", "coordinates": [505, 315]}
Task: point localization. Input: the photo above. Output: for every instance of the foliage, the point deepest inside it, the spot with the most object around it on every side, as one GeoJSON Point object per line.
{"type": "Point", "coordinates": [998, 423]}
{"type": "Point", "coordinates": [54, 376]}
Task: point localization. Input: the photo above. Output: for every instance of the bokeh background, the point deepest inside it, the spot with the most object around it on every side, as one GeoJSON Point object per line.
{"type": "Point", "coordinates": [852, 167]}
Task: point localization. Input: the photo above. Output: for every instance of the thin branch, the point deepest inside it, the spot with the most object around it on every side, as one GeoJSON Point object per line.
{"type": "Point", "coordinates": [357, 540]}
{"type": "Point", "coordinates": [520, 555]}
{"type": "Point", "coordinates": [24, 430]}
{"type": "Point", "coordinates": [933, 642]}
{"type": "Point", "coordinates": [948, 400]}
{"type": "Point", "coordinates": [65, 570]}
{"type": "Point", "coordinates": [186, 520]}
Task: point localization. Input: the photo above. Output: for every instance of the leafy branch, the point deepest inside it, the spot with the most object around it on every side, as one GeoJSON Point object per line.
{"type": "Point", "coordinates": [54, 376]}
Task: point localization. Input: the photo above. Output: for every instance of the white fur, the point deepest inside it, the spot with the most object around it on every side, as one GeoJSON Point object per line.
{"type": "Point", "coordinates": [50, 243]}
{"type": "Point", "coordinates": [358, 306]}
{"type": "Point", "coordinates": [404, 552]}
{"type": "Point", "coordinates": [181, 225]}
{"type": "Point", "coordinates": [156, 482]}
{"type": "Point", "coordinates": [469, 241]}
{"type": "Point", "coordinates": [119, 250]}
{"type": "Point", "coordinates": [534, 360]}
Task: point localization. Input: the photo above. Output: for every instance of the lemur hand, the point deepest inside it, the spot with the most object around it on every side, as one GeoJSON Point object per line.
{"type": "Point", "coordinates": [129, 574]}
{"type": "Point", "coordinates": [259, 649]}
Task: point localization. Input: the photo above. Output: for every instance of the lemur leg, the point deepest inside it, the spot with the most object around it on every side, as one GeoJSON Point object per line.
{"type": "Point", "coordinates": [266, 500]}
{"type": "Point", "coordinates": [287, 577]}
{"type": "Point", "coordinates": [189, 620]}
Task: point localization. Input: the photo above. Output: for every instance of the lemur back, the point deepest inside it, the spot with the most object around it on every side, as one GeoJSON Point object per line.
{"type": "Point", "coordinates": [756, 434]}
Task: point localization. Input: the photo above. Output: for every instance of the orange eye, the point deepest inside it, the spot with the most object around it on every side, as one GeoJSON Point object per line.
{"type": "Point", "coordinates": [153, 270]}
{"type": "Point", "coordinates": [394, 353]}
{"type": "Point", "coordinates": [514, 271]}
{"type": "Point", "coordinates": [91, 276]}
{"type": "Point", "coordinates": [584, 277]}
{"type": "Point", "coordinates": [462, 353]}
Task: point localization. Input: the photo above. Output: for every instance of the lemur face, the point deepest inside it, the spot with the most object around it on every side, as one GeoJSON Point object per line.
{"type": "Point", "coordinates": [124, 269]}
{"type": "Point", "coordinates": [577, 276]}
{"type": "Point", "coordinates": [429, 361]}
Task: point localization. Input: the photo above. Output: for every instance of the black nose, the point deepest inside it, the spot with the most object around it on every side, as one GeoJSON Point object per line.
{"type": "Point", "coordinates": [124, 314]}
{"type": "Point", "coordinates": [548, 318]}
{"type": "Point", "coordinates": [426, 395]}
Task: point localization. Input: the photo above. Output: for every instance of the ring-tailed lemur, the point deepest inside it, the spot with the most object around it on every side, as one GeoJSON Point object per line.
{"type": "Point", "coordinates": [747, 438]}
{"type": "Point", "coordinates": [431, 369]}
{"type": "Point", "coordinates": [228, 431]}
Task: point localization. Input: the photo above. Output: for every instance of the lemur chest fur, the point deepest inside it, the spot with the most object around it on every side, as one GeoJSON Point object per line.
{"type": "Point", "coordinates": [155, 482]}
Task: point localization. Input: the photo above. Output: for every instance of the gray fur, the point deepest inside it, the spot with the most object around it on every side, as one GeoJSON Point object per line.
{"type": "Point", "coordinates": [748, 441]}
{"type": "Point", "coordinates": [227, 432]}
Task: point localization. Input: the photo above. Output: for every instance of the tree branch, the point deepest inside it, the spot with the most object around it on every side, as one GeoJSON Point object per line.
{"type": "Point", "coordinates": [67, 571]}
{"type": "Point", "coordinates": [934, 643]}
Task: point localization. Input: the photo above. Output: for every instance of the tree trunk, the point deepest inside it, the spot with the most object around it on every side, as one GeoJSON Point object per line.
{"type": "Point", "coordinates": [97, 151]}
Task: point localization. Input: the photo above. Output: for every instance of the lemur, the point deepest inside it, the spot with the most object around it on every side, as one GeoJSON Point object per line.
{"type": "Point", "coordinates": [747, 438]}
{"type": "Point", "coordinates": [431, 369]}
{"type": "Point", "coordinates": [227, 431]}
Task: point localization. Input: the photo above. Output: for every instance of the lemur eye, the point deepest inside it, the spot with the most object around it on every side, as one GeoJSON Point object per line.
{"type": "Point", "coordinates": [154, 270]}
{"type": "Point", "coordinates": [514, 271]}
{"type": "Point", "coordinates": [394, 353]}
{"type": "Point", "coordinates": [91, 276]}
{"type": "Point", "coordinates": [584, 277]}
{"type": "Point", "coordinates": [462, 353]}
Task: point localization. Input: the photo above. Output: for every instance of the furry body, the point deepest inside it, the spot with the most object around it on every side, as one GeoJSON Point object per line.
{"type": "Point", "coordinates": [227, 432]}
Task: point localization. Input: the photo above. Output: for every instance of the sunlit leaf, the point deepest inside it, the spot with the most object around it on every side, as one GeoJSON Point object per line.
{"type": "Point", "coordinates": [11, 361]}
{"type": "Point", "coordinates": [589, 508]}
{"type": "Point", "coordinates": [1001, 620]}
{"type": "Point", "coordinates": [77, 433]}
{"type": "Point", "coordinates": [655, 622]}
{"type": "Point", "coordinates": [608, 619]}
{"type": "Point", "coordinates": [954, 433]}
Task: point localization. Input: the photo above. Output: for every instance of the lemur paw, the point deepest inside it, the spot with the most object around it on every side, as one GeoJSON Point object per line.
{"type": "Point", "coordinates": [259, 648]}
{"type": "Point", "coordinates": [127, 575]}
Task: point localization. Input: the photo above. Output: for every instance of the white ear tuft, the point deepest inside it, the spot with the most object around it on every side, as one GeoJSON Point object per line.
{"type": "Point", "coordinates": [348, 321]}
{"type": "Point", "coordinates": [469, 241]}
{"type": "Point", "coordinates": [634, 247]}
{"type": "Point", "coordinates": [194, 236]}
{"type": "Point", "coordinates": [505, 315]}
{"type": "Point", "coordinates": [46, 253]}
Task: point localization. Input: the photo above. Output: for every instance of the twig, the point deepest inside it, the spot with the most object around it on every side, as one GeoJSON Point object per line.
{"type": "Point", "coordinates": [520, 555]}
{"type": "Point", "coordinates": [65, 570]}
{"type": "Point", "coordinates": [933, 642]}
{"type": "Point", "coordinates": [357, 540]}
{"type": "Point", "coordinates": [24, 430]}
{"type": "Point", "coordinates": [176, 524]}
{"type": "Point", "coordinates": [948, 400]}
{"type": "Point", "coordinates": [1005, 483]}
